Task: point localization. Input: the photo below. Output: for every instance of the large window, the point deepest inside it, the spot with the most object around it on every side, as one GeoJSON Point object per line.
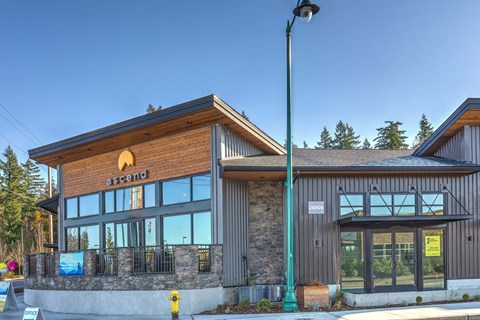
{"type": "Point", "coordinates": [82, 206]}
{"type": "Point", "coordinates": [433, 204]}
{"type": "Point", "coordinates": [433, 261]}
{"type": "Point", "coordinates": [352, 261]}
{"type": "Point", "coordinates": [186, 189]}
{"type": "Point", "coordinates": [83, 238]}
{"type": "Point", "coordinates": [352, 205]}
{"type": "Point", "coordinates": [130, 198]}
{"type": "Point", "coordinates": [182, 228]}
{"type": "Point", "coordinates": [392, 204]}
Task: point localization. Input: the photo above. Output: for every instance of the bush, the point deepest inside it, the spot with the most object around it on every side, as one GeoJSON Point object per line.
{"type": "Point", "coordinates": [244, 304]}
{"type": "Point", "coordinates": [419, 299]}
{"type": "Point", "coordinates": [314, 306]}
{"type": "Point", "coordinates": [264, 305]}
{"type": "Point", "coordinates": [476, 297]}
{"type": "Point", "coordinates": [223, 308]}
{"type": "Point", "coordinates": [466, 297]}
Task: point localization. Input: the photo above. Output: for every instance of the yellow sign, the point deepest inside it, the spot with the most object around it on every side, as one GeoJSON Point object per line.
{"type": "Point", "coordinates": [126, 159]}
{"type": "Point", "coordinates": [432, 246]}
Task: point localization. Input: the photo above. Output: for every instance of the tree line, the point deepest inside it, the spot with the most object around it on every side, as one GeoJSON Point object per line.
{"type": "Point", "coordinates": [390, 136]}
{"type": "Point", "coordinates": [24, 228]}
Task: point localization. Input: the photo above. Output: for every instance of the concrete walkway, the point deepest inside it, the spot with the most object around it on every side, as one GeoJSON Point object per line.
{"type": "Point", "coordinates": [454, 311]}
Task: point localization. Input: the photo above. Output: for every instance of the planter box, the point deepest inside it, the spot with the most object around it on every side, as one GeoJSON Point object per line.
{"type": "Point", "coordinates": [312, 294]}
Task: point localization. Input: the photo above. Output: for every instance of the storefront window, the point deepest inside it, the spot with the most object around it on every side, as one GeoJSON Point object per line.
{"type": "Point", "coordinates": [177, 229]}
{"type": "Point", "coordinates": [176, 191]}
{"type": "Point", "coordinates": [110, 235]}
{"type": "Point", "coordinates": [433, 260]}
{"type": "Point", "coordinates": [392, 204]}
{"type": "Point", "coordinates": [202, 228]}
{"type": "Point", "coordinates": [89, 205]}
{"type": "Point", "coordinates": [433, 204]}
{"type": "Point", "coordinates": [201, 187]}
{"type": "Point", "coordinates": [351, 205]}
{"type": "Point", "coordinates": [352, 261]}
{"type": "Point", "coordinates": [72, 239]}
{"type": "Point", "coordinates": [129, 198]}
{"type": "Point", "coordinates": [89, 238]}
{"type": "Point", "coordinates": [150, 232]}
{"type": "Point", "coordinates": [109, 201]}
{"type": "Point", "coordinates": [122, 235]}
{"type": "Point", "coordinates": [72, 208]}
{"type": "Point", "coordinates": [149, 195]}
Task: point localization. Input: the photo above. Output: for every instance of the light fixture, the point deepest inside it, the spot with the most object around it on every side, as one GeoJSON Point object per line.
{"type": "Point", "coordinates": [306, 10]}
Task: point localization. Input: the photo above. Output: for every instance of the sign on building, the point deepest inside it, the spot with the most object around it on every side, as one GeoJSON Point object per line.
{"type": "Point", "coordinates": [432, 246]}
{"type": "Point", "coordinates": [316, 207]}
{"type": "Point", "coordinates": [8, 301]}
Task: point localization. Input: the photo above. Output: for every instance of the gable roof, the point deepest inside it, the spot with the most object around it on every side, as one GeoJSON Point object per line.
{"type": "Point", "coordinates": [467, 114]}
{"type": "Point", "coordinates": [199, 113]}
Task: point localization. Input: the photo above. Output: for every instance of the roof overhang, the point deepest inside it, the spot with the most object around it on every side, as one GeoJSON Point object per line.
{"type": "Point", "coordinates": [278, 173]}
{"type": "Point", "coordinates": [385, 222]}
{"type": "Point", "coordinates": [467, 114]}
{"type": "Point", "coordinates": [188, 116]}
{"type": "Point", "coordinates": [50, 204]}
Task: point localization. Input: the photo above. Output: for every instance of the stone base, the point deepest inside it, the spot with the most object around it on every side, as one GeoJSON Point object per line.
{"type": "Point", "coordinates": [148, 303]}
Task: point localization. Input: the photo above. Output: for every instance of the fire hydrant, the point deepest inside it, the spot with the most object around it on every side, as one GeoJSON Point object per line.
{"type": "Point", "coordinates": [175, 298]}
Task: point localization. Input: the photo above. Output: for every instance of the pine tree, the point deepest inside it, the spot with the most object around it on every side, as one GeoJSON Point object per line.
{"type": "Point", "coordinates": [11, 193]}
{"type": "Point", "coordinates": [425, 131]}
{"type": "Point", "coordinates": [390, 136]}
{"type": "Point", "coordinates": [151, 108]}
{"type": "Point", "coordinates": [366, 144]}
{"type": "Point", "coordinates": [345, 137]}
{"type": "Point", "coordinates": [305, 144]}
{"type": "Point", "coordinates": [294, 145]}
{"type": "Point", "coordinates": [325, 140]}
{"type": "Point", "coordinates": [244, 115]}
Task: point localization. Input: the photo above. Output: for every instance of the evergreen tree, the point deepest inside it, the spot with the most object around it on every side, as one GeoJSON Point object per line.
{"type": "Point", "coordinates": [151, 108]}
{"type": "Point", "coordinates": [425, 131]}
{"type": "Point", "coordinates": [244, 115]}
{"type": "Point", "coordinates": [345, 137]}
{"type": "Point", "coordinates": [366, 144]}
{"type": "Point", "coordinates": [325, 140]}
{"type": "Point", "coordinates": [390, 136]}
{"type": "Point", "coordinates": [294, 145]}
{"type": "Point", "coordinates": [305, 145]}
{"type": "Point", "coordinates": [11, 197]}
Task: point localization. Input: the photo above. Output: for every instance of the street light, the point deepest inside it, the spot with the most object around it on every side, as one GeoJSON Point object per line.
{"type": "Point", "coordinates": [305, 11]}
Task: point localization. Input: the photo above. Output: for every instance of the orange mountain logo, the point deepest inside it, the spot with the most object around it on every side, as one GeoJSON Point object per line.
{"type": "Point", "coordinates": [126, 159]}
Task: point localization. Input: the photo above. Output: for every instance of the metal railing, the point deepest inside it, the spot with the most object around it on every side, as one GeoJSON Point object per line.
{"type": "Point", "coordinates": [32, 264]}
{"type": "Point", "coordinates": [204, 258]}
{"type": "Point", "coordinates": [153, 259]}
{"type": "Point", "coordinates": [50, 263]}
{"type": "Point", "coordinates": [106, 261]}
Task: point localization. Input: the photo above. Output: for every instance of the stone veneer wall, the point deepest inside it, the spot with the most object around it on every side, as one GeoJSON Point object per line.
{"type": "Point", "coordinates": [265, 232]}
{"type": "Point", "coordinates": [186, 274]}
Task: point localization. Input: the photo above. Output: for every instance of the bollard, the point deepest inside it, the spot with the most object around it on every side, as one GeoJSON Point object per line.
{"type": "Point", "coordinates": [175, 298]}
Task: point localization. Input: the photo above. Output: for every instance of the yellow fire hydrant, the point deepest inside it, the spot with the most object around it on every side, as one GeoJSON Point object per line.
{"type": "Point", "coordinates": [175, 298]}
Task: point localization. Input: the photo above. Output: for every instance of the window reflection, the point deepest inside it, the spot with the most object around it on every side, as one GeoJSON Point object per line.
{"type": "Point", "coordinates": [149, 195]}
{"type": "Point", "coordinates": [72, 239]}
{"type": "Point", "coordinates": [89, 238]}
{"type": "Point", "coordinates": [89, 205]}
{"type": "Point", "coordinates": [177, 229]}
{"type": "Point", "coordinates": [352, 261]}
{"type": "Point", "coordinates": [202, 228]}
{"type": "Point", "coordinates": [122, 235]}
{"type": "Point", "coordinates": [72, 208]}
{"type": "Point", "coordinates": [201, 187]}
{"type": "Point", "coordinates": [176, 191]}
{"type": "Point", "coordinates": [150, 232]}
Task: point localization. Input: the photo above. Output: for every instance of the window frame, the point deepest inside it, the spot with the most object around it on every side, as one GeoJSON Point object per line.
{"type": "Point", "coordinates": [423, 202]}
{"type": "Point", "coordinates": [340, 194]}
{"type": "Point", "coordinates": [78, 205]}
{"type": "Point", "coordinates": [393, 205]}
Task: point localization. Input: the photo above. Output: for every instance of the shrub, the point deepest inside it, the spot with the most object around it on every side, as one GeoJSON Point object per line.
{"type": "Point", "coordinates": [466, 297]}
{"type": "Point", "coordinates": [264, 305]}
{"type": "Point", "coordinates": [476, 297]}
{"type": "Point", "coordinates": [314, 306]}
{"type": "Point", "coordinates": [419, 299]}
{"type": "Point", "coordinates": [223, 308]}
{"type": "Point", "coordinates": [244, 304]}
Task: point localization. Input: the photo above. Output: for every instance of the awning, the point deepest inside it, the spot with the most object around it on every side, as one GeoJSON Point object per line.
{"type": "Point", "coordinates": [397, 221]}
{"type": "Point", "coordinates": [50, 204]}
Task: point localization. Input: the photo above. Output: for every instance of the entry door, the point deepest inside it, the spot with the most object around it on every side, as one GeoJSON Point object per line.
{"type": "Point", "coordinates": [393, 255]}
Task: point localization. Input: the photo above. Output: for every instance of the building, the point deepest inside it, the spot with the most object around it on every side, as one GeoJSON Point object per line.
{"type": "Point", "coordinates": [191, 197]}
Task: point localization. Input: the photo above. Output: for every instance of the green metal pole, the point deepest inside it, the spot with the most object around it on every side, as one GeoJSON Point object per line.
{"type": "Point", "coordinates": [290, 300]}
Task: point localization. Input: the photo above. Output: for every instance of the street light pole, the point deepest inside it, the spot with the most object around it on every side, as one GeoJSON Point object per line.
{"type": "Point", "coordinates": [305, 10]}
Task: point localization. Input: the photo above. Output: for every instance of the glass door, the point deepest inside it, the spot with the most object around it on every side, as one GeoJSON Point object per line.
{"type": "Point", "coordinates": [393, 255]}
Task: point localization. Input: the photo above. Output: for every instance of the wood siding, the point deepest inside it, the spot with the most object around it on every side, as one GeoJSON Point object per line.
{"type": "Point", "coordinates": [316, 262]}
{"type": "Point", "coordinates": [165, 158]}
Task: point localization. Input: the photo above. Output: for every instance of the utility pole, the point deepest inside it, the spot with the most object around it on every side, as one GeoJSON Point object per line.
{"type": "Point", "coordinates": [50, 215]}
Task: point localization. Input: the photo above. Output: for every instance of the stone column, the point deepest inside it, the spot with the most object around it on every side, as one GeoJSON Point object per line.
{"type": "Point", "coordinates": [90, 263]}
{"type": "Point", "coordinates": [40, 264]}
{"type": "Point", "coordinates": [124, 262]}
{"type": "Point", "coordinates": [186, 266]}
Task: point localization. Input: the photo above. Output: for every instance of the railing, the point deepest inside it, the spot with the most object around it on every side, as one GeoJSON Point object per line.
{"type": "Point", "coordinates": [204, 258]}
{"type": "Point", "coordinates": [153, 259]}
{"type": "Point", "coordinates": [106, 261]}
{"type": "Point", "coordinates": [50, 263]}
{"type": "Point", "coordinates": [32, 264]}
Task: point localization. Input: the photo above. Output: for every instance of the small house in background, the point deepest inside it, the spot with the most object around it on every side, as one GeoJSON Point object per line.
{"type": "Point", "coordinates": [191, 197]}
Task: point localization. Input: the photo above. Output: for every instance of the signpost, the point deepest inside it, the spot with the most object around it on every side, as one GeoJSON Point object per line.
{"type": "Point", "coordinates": [8, 301]}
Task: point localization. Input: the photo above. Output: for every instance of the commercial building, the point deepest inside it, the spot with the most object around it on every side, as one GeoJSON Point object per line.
{"type": "Point", "coordinates": [191, 197]}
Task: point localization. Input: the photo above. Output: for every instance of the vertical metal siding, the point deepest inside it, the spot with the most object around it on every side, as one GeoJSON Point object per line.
{"type": "Point", "coordinates": [317, 263]}
{"type": "Point", "coordinates": [235, 146]}
{"type": "Point", "coordinates": [454, 148]}
{"type": "Point", "coordinates": [61, 209]}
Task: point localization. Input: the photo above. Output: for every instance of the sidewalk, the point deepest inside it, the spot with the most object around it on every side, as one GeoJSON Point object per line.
{"type": "Point", "coordinates": [454, 311]}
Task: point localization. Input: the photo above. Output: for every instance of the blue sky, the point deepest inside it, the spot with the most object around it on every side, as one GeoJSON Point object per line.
{"type": "Point", "coordinates": [67, 67]}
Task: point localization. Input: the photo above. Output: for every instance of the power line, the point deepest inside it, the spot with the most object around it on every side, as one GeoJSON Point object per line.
{"type": "Point", "coordinates": [17, 147]}
{"type": "Point", "coordinates": [13, 125]}
{"type": "Point", "coordinates": [19, 122]}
